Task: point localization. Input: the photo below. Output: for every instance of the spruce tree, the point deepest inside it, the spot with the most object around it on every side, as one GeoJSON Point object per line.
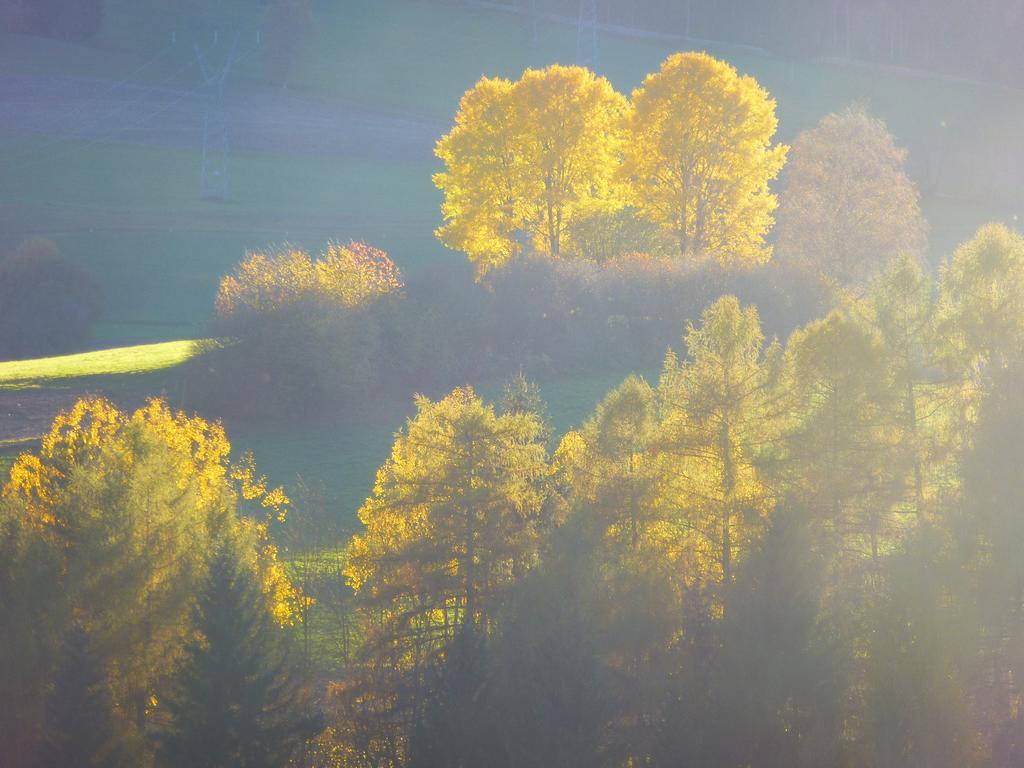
{"type": "Point", "coordinates": [79, 727]}
{"type": "Point", "coordinates": [236, 701]}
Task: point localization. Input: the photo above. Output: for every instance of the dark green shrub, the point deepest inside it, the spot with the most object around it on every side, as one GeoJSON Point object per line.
{"type": "Point", "coordinates": [47, 306]}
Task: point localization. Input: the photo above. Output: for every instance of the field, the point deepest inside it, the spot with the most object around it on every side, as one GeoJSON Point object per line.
{"type": "Point", "coordinates": [122, 361]}
{"type": "Point", "coordinates": [345, 152]}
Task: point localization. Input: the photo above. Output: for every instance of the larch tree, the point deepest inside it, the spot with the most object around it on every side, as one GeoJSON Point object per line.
{"type": "Point", "coordinates": [35, 612]}
{"type": "Point", "coordinates": [848, 206]}
{"type": "Point", "coordinates": [988, 530]}
{"type": "Point", "coordinates": [451, 523]}
{"type": "Point", "coordinates": [841, 445]}
{"type": "Point", "coordinates": [608, 464]}
{"type": "Point", "coordinates": [720, 415]}
{"type": "Point", "coordinates": [981, 302]}
{"type": "Point", "coordinates": [902, 308]}
{"type": "Point", "coordinates": [521, 395]}
{"type": "Point", "coordinates": [612, 474]}
{"type": "Point", "coordinates": [698, 157]}
{"type": "Point", "coordinates": [979, 320]}
{"type": "Point", "coordinates": [525, 159]}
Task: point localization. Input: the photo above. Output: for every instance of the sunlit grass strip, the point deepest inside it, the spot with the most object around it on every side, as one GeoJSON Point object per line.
{"type": "Point", "coordinates": [138, 359]}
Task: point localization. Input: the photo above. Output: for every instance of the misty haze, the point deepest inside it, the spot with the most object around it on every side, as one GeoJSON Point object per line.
{"type": "Point", "coordinates": [511, 384]}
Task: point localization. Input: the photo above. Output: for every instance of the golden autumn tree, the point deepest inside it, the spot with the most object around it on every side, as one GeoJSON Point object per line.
{"type": "Point", "coordinates": [979, 324]}
{"type": "Point", "coordinates": [452, 521]}
{"type": "Point", "coordinates": [848, 206]}
{"type": "Point", "coordinates": [698, 156]}
{"type": "Point", "coordinates": [483, 205]}
{"type": "Point", "coordinates": [720, 416]}
{"type": "Point", "coordinates": [981, 302]}
{"type": "Point", "coordinates": [130, 506]}
{"type": "Point", "coordinates": [902, 310]}
{"type": "Point", "coordinates": [525, 159]}
{"type": "Point", "coordinates": [610, 468]}
{"type": "Point", "coordinates": [843, 441]}
{"type": "Point", "coordinates": [570, 149]}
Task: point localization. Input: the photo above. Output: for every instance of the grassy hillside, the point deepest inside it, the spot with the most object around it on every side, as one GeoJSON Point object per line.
{"type": "Point", "coordinates": [123, 361]}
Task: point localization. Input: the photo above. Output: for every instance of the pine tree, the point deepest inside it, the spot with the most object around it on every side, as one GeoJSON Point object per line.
{"type": "Point", "coordinates": [80, 727]}
{"type": "Point", "coordinates": [236, 701]}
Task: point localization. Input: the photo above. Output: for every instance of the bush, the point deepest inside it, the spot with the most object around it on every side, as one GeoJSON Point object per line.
{"type": "Point", "coordinates": [567, 315]}
{"type": "Point", "coordinates": [47, 306]}
{"type": "Point", "coordinates": [604, 235]}
{"type": "Point", "coordinates": [302, 334]}
{"type": "Point", "coordinates": [345, 275]}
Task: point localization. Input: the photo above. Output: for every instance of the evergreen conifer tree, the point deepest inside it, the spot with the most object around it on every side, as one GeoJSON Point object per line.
{"type": "Point", "coordinates": [236, 701]}
{"type": "Point", "coordinates": [80, 727]}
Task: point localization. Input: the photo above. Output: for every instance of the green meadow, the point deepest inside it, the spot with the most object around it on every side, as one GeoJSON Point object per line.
{"type": "Point", "coordinates": [122, 361]}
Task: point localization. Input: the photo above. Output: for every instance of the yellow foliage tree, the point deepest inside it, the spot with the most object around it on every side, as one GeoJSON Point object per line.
{"type": "Point", "coordinates": [720, 416]}
{"type": "Point", "coordinates": [611, 469]}
{"type": "Point", "coordinates": [981, 301]}
{"type": "Point", "coordinates": [570, 149]}
{"type": "Point", "coordinates": [902, 308]}
{"type": "Point", "coordinates": [132, 505]}
{"type": "Point", "coordinates": [528, 157]}
{"type": "Point", "coordinates": [453, 519]}
{"type": "Point", "coordinates": [698, 157]}
{"type": "Point", "coordinates": [843, 444]}
{"type": "Point", "coordinates": [481, 182]}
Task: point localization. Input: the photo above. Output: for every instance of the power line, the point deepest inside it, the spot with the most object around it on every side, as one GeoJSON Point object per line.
{"type": "Point", "coordinates": [126, 80]}
{"type": "Point", "coordinates": [81, 131]}
{"type": "Point", "coordinates": [533, 19]}
{"type": "Point", "coordinates": [108, 136]}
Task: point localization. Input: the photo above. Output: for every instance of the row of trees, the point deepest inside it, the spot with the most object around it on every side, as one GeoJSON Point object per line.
{"type": "Point", "coordinates": [778, 555]}
{"type": "Point", "coordinates": [795, 554]}
{"type": "Point", "coordinates": [558, 163]}
{"type": "Point", "coordinates": [305, 336]}
{"type": "Point", "coordinates": [143, 601]}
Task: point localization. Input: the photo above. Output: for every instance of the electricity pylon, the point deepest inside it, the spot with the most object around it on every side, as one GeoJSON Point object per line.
{"type": "Point", "coordinates": [214, 177]}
